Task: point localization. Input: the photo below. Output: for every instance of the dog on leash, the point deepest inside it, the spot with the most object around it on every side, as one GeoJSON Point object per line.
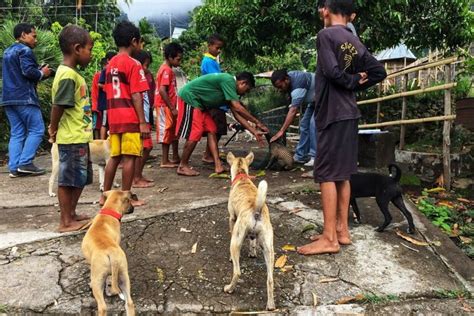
{"type": "Point", "coordinates": [99, 150]}
{"type": "Point", "coordinates": [385, 189]}
{"type": "Point", "coordinates": [249, 216]}
{"type": "Point", "coordinates": [101, 248]}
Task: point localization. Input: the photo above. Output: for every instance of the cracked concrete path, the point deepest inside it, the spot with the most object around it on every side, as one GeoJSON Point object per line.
{"type": "Point", "coordinates": [43, 271]}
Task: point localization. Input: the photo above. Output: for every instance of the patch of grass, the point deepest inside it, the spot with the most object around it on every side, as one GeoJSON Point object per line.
{"type": "Point", "coordinates": [379, 299]}
{"type": "Point", "coordinates": [3, 308]}
{"type": "Point", "coordinates": [453, 294]}
{"type": "Point", "coordinates": [308, 190]}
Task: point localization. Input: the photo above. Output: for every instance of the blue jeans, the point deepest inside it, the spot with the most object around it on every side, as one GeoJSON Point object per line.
{"type": "Point", "coordinates": [306, 148]}
{"type": "Point", "coordinates": [26, 134]}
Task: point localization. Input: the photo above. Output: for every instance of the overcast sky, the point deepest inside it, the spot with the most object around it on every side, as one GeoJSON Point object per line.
{"type": "Point", "coordinates": [146, 8]}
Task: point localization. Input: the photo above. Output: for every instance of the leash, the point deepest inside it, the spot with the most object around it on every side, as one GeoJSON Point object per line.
{"type": "Point", "coordinates": [111, 212]}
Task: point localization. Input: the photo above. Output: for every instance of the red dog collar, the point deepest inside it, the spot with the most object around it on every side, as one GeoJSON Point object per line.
{"type": "Point", "coordinates": [240, 176]}
{"type": "Point", "coordinates": [111, 212]}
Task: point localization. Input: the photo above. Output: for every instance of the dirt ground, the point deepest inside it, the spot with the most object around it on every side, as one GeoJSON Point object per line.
{"type": "Point", "coordinates": [166, 277]}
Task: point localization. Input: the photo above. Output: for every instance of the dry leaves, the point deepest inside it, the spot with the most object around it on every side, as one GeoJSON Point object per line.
{"type": "Point", "coordinates": [350, 299]}
{"type": "Point", "coordinates": [287, 268]}
{"type": "Point", "coordinates": [328, 280]}
{"type": "Point", "coordinates": [184, 230]}
{"type": "Point", "coordinates": [411, 239]}
{"type": "Point", "coordinates": [288, 247]}
{"type": "Point", "coordinates": [163, 189]}
{"type": "Point", "coordinates": [315, 299]}
{"type": "Point", "coordinates": [281, 261]}
{"type": "Point", "coordinates": [194, 248]}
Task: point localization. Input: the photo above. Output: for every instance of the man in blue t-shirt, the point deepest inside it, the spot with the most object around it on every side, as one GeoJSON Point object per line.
{"type": "Point", "coordinates": [301, 86]}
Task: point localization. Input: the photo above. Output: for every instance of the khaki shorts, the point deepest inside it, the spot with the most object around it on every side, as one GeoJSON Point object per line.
{"type": "Point", "coordinates": [125, 144]}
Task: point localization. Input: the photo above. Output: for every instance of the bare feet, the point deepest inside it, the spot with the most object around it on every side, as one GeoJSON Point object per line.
{"type": "Point", "coordinates": [80, 217]}
{"type": "Point", "coordinates": [72, 226]}
{"type": "Point", "coordinates": [176, 160]}
{"type": "Point", "coordinates": [221, 169]}
{"type": "Point", "coordinates": [148, 180]}
{"type": "Point", "coordinates": [169, 165]}
{"type": "Point", "coordinates": [320, 246]}
{"type": "Point", "coordinates": [142, 184]}
{"type": "Point", "coordinates": [343, 239]}
{"type": "Point", "coordinates": [308, 174]}
{"type": "Point", "coordinates": [186, 171]}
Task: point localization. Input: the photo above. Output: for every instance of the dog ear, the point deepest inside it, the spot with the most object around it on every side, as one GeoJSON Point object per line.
{"type": "Point", "coordinates": [249, 158]}
{"type": "Point", "coordinates": [230, 158]}
{"type": "Point", "coordinates": [106, 194]}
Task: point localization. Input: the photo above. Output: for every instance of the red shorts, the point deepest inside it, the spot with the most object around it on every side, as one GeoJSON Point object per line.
{"type": "Point", "coordinates": [193, 122]}
{"type": "Point", "coordinates": [165, 125]}
{"type": "Point", "coordinates": [148, 142]}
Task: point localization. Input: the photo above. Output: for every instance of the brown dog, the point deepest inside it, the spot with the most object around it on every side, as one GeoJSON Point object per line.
{"type": "Point", "coordinates": [101, 248]}
{"type": "Point", "coordinates": [249, 216]}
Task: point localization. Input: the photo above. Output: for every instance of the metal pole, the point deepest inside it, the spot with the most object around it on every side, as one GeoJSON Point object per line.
{"type": "Point", "coordinates": [446, 132]}
{"type": "Point", "coordinates": [96, 18]}
{"type": "Point", "coordinates": [169, 16]}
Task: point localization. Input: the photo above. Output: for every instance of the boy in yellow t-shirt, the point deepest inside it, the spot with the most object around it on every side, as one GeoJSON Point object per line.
{"type": "Point", "coordinates": [71, 125]}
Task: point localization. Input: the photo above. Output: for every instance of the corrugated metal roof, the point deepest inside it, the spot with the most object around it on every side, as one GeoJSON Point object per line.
{"type": "Point", "coordinates": [398, 52]}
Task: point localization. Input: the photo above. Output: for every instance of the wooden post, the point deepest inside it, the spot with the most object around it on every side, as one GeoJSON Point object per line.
{"type": "Point", "coordinates": [379, 92]}
{"type": "Point", "coordinates": [447, 131]}
{"type": "Point", "coordinates": [404, 112]}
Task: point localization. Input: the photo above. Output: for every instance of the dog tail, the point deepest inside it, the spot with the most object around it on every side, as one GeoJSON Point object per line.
{"type": "Point", "coordinates": [261, 197]}
{"type": "Point", "coordinates": [395, 175]}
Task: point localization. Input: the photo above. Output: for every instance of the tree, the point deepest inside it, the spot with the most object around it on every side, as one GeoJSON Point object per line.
{"type": "Point", "coordinates": [264, 27]}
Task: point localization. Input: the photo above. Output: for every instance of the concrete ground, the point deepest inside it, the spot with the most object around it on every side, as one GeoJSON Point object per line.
{"type": "Point", "coordinates": [43, 271]}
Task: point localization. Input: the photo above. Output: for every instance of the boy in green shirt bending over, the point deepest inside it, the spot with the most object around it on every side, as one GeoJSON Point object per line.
{"type": "Point", "coordinates": [71, 125]}
{"type": "Point", "coordinates": [196, 99]}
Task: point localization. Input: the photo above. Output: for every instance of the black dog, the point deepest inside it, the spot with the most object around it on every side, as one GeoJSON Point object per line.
{"type": "Point", "coordinates": [385, 189]}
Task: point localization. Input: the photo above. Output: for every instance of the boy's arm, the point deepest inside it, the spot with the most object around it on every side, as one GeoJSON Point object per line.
{"type": "Point", "coordinates": [288, 120]}
{"type": "Point", "coordinates": [137, 101]}
{"type": "Point", "coordinates": [56, 114]}
{"type": "Point", "coordinates": [330, 66]}
{"type": "Point", "coordinates": [29, 66]}
{"type": "Point", "coordinates": [375, 71]}
{"type": "Point", "coordinates": [164, 95]}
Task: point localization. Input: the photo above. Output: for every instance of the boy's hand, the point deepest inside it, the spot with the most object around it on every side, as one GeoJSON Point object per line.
{"type": "Point", "coordinates": [258, 136]}
{"type": "Point", "coordinates": [144, 130]}
{"type": "Point", "coordinates": [46, 71]}
{"type": "Point", "coordinates": [52, 135]}
{"type": "Point", "coordinates": [276, 136]}
{"type": "Point", "coordinates": [363, 77]}
{"type": "Point", "coordinates": [262, 127]}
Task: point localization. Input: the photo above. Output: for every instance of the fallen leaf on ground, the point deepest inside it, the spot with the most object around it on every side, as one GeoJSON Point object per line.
{"type": "Point", "coordinates": [463, 200]}
{"type": "Point", "coordinates": [446, 203]}
{"type": "Point", "coordinates": [289, 247]}
{"type": "Point", "coordinates": [308, 227]}
{"type": "Point", "coordinates": [437, 243]}
{"type": "Point", "coordinates": [280, 263]}
{"type": "Point", "coordinates": [465, 240]}
{"type": "Point", "coordinates": [184, 230]}
{"type": "Point", "coordinates": [411, 239]}
{"type": "Point", "coordinates": [194, 248]}
{"type": "Point", "coordinates": [406, 246]}
{"type": "Point", "coordinates": [160, 274]}
{"type": "Point", "coordinates": [219, 175]}
{"type": "Point", "coordinates": [328, 280]}
{"type": "Point", "coordinates": [434, 190]}
{"type": "Point", "coordinates": [260, 173]}
{"type": "Point", "coordinates": [349, 299]}
{"type": "Point", "coordinates": [315, 299]}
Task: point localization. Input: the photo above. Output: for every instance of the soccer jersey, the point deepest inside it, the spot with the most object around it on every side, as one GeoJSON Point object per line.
{"type": "Point", "coordinates": [95, 91]}
{"type": "Point", "coordinates": [165, 77]}
{"type": "Point", "coordinates": [210, 91]}
{"type": "Point", "coordinates": [210, 65]}
{"type": "Point", "coordinates": [124, 77]}
{"type": "Point", "coordinates": [69, 90]}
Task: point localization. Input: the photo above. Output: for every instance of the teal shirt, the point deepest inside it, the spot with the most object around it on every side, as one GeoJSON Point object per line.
{"type": "Point", "coordinates": [209, 91]}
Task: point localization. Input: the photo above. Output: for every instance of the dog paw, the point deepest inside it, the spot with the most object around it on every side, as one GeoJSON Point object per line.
{"type": "Point", "coordinates": [228, 289]}
{"type": "Point", "coordinates": [52, 194]}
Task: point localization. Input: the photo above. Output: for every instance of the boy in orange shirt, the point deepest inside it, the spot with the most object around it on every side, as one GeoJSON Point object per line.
{"type": "Point", "coordinates": [124, 86]}
{"type": "Point", "coordinates": [166, 105]}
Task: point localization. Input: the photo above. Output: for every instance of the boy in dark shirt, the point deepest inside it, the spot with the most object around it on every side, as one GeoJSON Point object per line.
{"type": "Point", "coordinates": [344, 66]}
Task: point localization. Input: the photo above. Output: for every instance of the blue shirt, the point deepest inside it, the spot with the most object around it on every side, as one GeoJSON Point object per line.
{"type": "Point", "coordinates": [209, 65]}
{"type": "Point", "coordinates": [20, 72]}
{"type": "Point", "coordinates": [302, 87]}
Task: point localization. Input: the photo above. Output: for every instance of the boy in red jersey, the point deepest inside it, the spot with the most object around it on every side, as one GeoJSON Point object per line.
{"type": "Point", "coordinates": [125, 83]}
{"type": "Point", "coordinates": [166, 105]}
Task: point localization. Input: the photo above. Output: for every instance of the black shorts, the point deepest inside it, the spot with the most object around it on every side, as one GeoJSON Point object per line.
{"type": "Point", "coordinates": [337, 147]}
{"type": "Point", "coordinates": [220, 119]}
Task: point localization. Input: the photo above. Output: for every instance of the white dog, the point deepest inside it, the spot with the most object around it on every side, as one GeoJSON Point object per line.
{"type": "Point", "coordinates": [99, 154]}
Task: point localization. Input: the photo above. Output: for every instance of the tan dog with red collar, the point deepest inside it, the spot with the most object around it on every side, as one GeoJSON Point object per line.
{"type": "Point", "coordinates": [249, 216]}
{"type": "Point", "coordinates": [101, 248]}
